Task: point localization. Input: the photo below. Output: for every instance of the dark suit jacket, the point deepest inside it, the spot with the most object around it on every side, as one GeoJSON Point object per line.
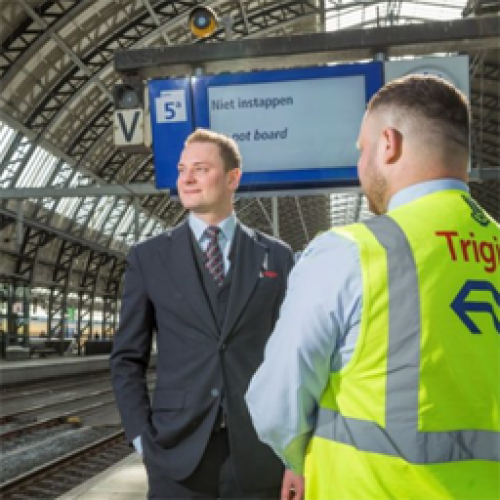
{"type": "Point", "coordinates": [196, 360]}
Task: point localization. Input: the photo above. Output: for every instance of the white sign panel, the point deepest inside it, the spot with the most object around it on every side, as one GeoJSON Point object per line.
{"type": "Point", "coordinates": [292, 124]}
{"type": "Point", "coordinates": [128, 127]}
{"type": "Point", "coordinates": [171, 106]}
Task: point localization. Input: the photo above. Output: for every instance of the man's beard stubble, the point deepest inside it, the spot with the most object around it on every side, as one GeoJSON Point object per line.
{"type": "Point", "coordinates": [376, 190]}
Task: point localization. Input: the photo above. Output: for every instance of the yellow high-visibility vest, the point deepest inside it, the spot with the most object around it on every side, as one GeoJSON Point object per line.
{"type": "Point", "coordinates": [415, 413]}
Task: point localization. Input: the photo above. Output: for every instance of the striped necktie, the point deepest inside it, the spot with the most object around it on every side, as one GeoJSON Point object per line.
{"type": "Point", "coordinates": [213, 255]}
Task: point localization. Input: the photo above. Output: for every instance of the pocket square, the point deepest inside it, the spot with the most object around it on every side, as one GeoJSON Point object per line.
{"type": "Point", "coordinates": [269, 274]}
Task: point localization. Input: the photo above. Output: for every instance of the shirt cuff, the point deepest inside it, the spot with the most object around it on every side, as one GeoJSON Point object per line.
{"type": "Point", "coordinates": [137, 442]}
{"type": "Point", "coordinates": [294, 454]}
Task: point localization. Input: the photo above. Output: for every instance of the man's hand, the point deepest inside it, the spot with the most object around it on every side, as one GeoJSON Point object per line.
{"type": "Point", "coordinates": [292, 487]}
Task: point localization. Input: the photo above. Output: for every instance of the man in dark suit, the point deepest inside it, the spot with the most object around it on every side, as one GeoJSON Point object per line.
{"type": "Point", "coordinates": [211, 289]}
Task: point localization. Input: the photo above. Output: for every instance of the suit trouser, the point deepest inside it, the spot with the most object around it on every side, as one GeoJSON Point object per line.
{"type": "Point", "coordinates": [213, 478]}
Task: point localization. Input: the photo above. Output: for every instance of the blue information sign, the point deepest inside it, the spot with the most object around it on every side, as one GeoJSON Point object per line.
{"type": "Point", "coordinates": [296, 129]}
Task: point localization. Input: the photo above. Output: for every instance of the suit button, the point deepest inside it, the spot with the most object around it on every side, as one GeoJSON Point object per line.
{"type": "Point", "coordinates": [214, 392]}
{"type": "Point", "coordinates": [223, 347]}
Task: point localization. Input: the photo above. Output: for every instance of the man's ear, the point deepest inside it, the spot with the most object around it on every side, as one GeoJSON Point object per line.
{"type": "Point", "coordinates": [234, 177]}
{"type": "Point", "coordinates": [392, 145]}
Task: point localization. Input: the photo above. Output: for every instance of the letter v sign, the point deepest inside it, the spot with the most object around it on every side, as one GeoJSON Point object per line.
{"type": "Point", "coordinates": [129, 127]}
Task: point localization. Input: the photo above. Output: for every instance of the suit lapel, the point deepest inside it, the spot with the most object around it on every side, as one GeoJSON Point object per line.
{"type": "Point", "coordinates": [247, 256]}
{"type": "Point", "coordinates": [179, 258]}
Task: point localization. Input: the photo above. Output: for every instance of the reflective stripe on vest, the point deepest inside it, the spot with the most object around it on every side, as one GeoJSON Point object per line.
{"type": "Point", "coordinates": [403, 439]}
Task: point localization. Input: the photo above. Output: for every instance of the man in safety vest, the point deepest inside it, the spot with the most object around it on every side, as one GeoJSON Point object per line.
{"type": "Point", "coordinates": [382, 377]}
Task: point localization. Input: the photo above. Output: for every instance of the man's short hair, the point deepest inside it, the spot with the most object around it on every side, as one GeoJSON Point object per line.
{"type": "Point", "coordinates": [432, 98]}
{"type": "Point", "coordinates": [229, 152]}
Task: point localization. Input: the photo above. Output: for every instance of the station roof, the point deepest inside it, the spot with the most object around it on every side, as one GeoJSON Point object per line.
{"type": "Point", "coordinates": [56, 81]}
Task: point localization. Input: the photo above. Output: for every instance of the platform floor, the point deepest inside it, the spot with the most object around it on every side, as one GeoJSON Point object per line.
{"type": "Point", "coordinates": [52, 367]}
{"type": "Point", "coordinates": [27, 370]}
{"type": "Point", "coordinates": [124, 481]}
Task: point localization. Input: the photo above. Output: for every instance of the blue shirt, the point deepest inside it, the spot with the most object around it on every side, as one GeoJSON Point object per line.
{"type": "Point", "coordinates": [227, 227]}
{"type": "Point", "coordinates": [316, 333]}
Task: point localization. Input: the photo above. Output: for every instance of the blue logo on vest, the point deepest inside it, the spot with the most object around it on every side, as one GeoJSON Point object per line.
{"type": "Point", "coordinates": [462, 307]}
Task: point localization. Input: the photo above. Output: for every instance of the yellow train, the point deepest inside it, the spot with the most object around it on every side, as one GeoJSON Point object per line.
{"type": "Point", "coordinates": [38, 328]}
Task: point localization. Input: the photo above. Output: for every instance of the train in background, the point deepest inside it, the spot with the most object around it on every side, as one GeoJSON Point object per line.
{"type": "Point", "coordinates": [38, 327]}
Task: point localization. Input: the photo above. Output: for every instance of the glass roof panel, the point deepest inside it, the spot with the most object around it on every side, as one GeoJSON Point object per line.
{"type": "Point", "coordinates": [345, 14]}
{"type": "Point", "coordinates": [7, 136]}
{"type": "Point", "coordinates": [125, 226]}
{"type": "Point", "coordinates": [101, 212]}
{"type": "Point", "coordinates": [148, 228]}
{"type": "Point", "coordinates": [157, 229]}
{"type": "Point", "coordinates": [67, 206]}
{"type": "Point", "coordinates": [38, 169]}
{"type": "Point", "coordinates": [340, 14]}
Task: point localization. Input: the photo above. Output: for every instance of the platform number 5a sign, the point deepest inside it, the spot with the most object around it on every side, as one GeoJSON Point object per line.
{"type": "Point", "coordinates": [171, 106]}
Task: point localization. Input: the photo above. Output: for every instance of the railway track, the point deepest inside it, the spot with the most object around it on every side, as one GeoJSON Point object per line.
{"type": "Point", "coordinates": [35, 410]}
{"type": "Point", "coordinates": [65, 473]}
{"type": "Point", "coordinates": [28, 417]}
{"type": "Point", "coordinates": [42, 423]}
{"type": "Point", "coordinates": [43, 387]}
{"type": "Point", "coordinates": [33, 427]}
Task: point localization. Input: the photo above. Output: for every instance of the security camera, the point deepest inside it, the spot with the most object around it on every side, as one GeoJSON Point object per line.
{"type": "Point", "coordinates": [202, 21]}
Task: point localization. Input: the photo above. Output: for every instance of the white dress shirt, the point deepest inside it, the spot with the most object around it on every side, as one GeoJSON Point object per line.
{"type": "Point", "coordinates": [227, 227]}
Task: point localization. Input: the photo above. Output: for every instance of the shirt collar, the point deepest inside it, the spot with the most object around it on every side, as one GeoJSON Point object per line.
{"type": "Point", "coordinates": [421, 189]}
{"type": "Point", "coordinates": [227, 227]}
